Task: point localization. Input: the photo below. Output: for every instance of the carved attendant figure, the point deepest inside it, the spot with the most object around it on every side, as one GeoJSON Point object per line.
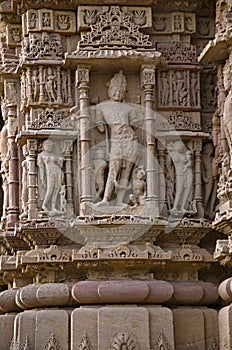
{"type": "Point", "coordinates": [138, 188]}
{"type": "Point", "coordinates": [227, 113]}
{"type": "Point", "coordinates": [182, 161]}
{"type": "Point", "coordinates": [118, 120]}
{"type": "Point", "coordinates": [50, 178]}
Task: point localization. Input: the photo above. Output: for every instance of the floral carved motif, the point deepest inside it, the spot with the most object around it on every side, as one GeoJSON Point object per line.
{"type": "Point", "coordinates": [178, 52]}
{"type": "Point", "coordinates": [115, 28]}
{"type": "Point", "coordinates": [124, 340]}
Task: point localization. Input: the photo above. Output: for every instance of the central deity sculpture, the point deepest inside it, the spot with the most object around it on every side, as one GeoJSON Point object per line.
{"type": "Point", "coordinates": [118, 121]}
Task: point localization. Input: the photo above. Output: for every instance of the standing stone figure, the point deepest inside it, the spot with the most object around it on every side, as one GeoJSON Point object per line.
{"type": "Point", "coordinates": [139, 187]}
{"type": "Point", "coordinates": [227, 113]}
{"type": "Point", "coordinates": [210, 181]}
{"type": "Point", "coordinates": [118, 120]}
{"type": "Point", "coordinates": [50, 179]}
{"type": "Point", "coordinates": [184, 177]}
{"type": "Point", "coordinates": [24, 183]}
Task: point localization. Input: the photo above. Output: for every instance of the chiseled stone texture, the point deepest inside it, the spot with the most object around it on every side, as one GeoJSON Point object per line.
{"type": "Point", "coordinates": [225, 329]}
{"type": "Point", "coordinates": [189, 328]}
{"type": "Point", "coordinates": [84, 327]}
{"type": "Point", "coordinates": [211, 329]}
{"type": "Point", "coordinates": [52, 327]}
{"type": "Point", "coordinates": [26, 328]}
{"type": "Point", "coordinates": [6, 330]}
{"type": "Point", "coordinates": [133, 322]}
{"type": "Point", "coordinates": [161, 324]}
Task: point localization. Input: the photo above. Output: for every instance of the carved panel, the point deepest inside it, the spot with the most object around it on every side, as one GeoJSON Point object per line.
{"type": "Point", "coordinates": [89, 15]}
{"type": "Point", "coordinates": [49, 20]}
{"type": "Point", "coordinates": [162, 343]}
{"type": "Point", "coordinates": [84, 343]}
{"type": "Point", "coordinates": [178, 52]}
{"type": "Point", "coordinates": [179, 88]}
{"type": "Point", "coordinates": [176, 23]}
{"type": "Point", "coordinates": [42, 46]}
{"type": "Point", "coordinates": [46, 85]}
{"type": "Point", "coordinates": [49, 118]}
{"type": "Point", "coordinates": [14, 34]}
{"type": "Point", "coordinates": [180, 120]}
{"type": "Point", "coordinates": [204, 27]}
{"type": "Point", "coordinates": [115, 28]}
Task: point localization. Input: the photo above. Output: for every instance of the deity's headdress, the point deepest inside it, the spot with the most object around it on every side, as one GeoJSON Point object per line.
{"type": "Point", "coordinates": [118, 79]}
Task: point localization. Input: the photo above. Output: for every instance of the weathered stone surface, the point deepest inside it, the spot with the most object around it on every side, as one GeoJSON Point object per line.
{"type": "Point", "coordinates": [161, 327]}
{"type": "Point", "coordinates": [189, 328]}
{"type": "Point", "coordinates": [52, 329]}
{"type": "Point", "coordinates": [6, 330]}
{"type": "Point", "coordinates": [84, 328]}
{"type": "Point", "coordinates": [130, 326]}
{"type": "Point", "coordinates": [7, 301]}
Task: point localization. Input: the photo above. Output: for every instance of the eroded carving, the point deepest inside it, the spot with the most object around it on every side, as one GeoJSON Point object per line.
{"type": "Point", "coordinates": [85, 343]}
{"type": "Point", "coordinates": [51, 180]}
{"type": "Point", "coordinates": [120, 119]}
{"type": "Point", "coordinates": [52, 344]}
{"type": "Point", "coordinates": [162, 343]}
{"type": "Point", "coordinates": [124, 340]}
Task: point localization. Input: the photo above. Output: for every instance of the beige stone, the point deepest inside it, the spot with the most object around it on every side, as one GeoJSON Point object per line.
{"type": "Point", "coordinates": [52, 329]}
{"type": "Point", "coordinates": [189, 328]}
{"type": "Point", "coordinates": [84, 327]}
{"type": "Point", "coordinates": [161, 327]}
{"type": "Point", "coordinates": [6, 330]}
{"type": "Point", "coordinates": [123, 325]}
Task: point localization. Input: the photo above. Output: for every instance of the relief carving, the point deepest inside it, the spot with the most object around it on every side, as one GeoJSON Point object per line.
{"type": "Point", "coordinates": [182, 159]}
{"type": "Point", "coordinates": [50, 118]}
{"type": "Point", "coordinates": [179, 88]}
{"type": "Point", "coordinates": [121, 145]}
{"type": "Point", "coordinates": [42, 46]}
{"type": "Point", "coordinates": [51, 180]}
{"type": "Point", "coordinates": [115, 28]}
{"type": "Point", "coordinates": [25, 182]}
{"type": "Point", "coordinates": [85, 343]}
{"type": "Point", "coordinates": [178, 52]}
{"type": "Point", "coordinates": [162, 343]}
{"type": "Point", "coordinates": [124, 340]}
{"type": "Point", "coordinates": [52, 344]}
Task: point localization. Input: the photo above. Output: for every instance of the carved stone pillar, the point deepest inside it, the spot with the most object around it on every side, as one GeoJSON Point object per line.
{"type": "Point", "coordinates": [198, 177]}
{"type": "Point", "coordinates": [68, 148]}
{"type": "Point", "coordinates": [32, 176]}
{"type": "Point", "coordinates": [41, 84]}
{"type": "Point", "coordinates": [148, 83]}
{"type": "Point", "coordinates": [59, 98]}
{"type": "Point", "coordinates": [82, 82]}
{"type": "Point", "coordinates": [13, 180]}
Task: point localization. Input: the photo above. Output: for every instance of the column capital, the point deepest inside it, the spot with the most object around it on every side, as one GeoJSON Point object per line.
{"type": "Point", "coordinates": [148, 75]}
{"type": "Point", "coordinates": [82, 74]}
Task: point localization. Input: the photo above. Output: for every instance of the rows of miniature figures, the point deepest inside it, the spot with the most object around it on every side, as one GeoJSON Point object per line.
{"type": "Point", "coordinates": [48, 181]}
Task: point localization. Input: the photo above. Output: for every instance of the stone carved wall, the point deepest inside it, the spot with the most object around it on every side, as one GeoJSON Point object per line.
{"type": "Point", "coordinates": [110, 160]}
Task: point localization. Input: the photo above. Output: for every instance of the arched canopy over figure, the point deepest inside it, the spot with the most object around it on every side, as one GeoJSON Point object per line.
{"type": "Point", "coordinates": [118, 120]}
{"type": "Point", "coordinates": [50, 179]}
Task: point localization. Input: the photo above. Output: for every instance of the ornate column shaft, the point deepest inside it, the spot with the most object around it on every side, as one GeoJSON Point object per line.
{"type": "Point", "coordinates": [68, 148]}
{"type": "Point", "coordinates": [82, 82]}
{"type": "Point", "coordinates": [13, 180]}
{"type": "Point", "coordinates": [59, 98]}
{"type": "Point", "coordinates": [148, 83]}
{"type": "Point", "coordinates": [32, 176]}
{"type": "Point", "coordinates": [162, 185]}
{"type": "Point", "coordinates": [198, 177]}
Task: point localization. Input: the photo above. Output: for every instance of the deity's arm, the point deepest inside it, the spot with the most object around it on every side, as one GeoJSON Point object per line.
{"type": "Point", "coordinates": [100, 120]}
{"type": "Point", "coordinates": [134, 119]}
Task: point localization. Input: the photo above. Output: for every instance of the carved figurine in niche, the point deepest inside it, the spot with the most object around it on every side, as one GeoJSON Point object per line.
{"type": "Point", "coordinates": [170, 181]}
{"type": "Point", "coordinates": [32, 20]}
{"type": "Point", "coordinates": [100, 166]}
{"type": "Point", "coordinates": [139, 187]}
{"type": "Point", "coordinates": [63, 22]}
{"type": "Point", "coordinates": [51, 180]}
{"type": "Point", "coordinates": [118, 121]}
{"type": "Point", "coordinates": [164, 89]}
{"type": "Point", "coordinates": [227, 112]}
{"type": "Point", "coordinates": [209, 181]}
{"type": "Point", "coordinates": [50, 85]}
{"type": "Point", "coordinates": [4, 156]}
{"type": "Point", "coordinates": [24, 197]}
{"type": "Point", "coordinates": [180, 89]}
{"type": "Point", "coordinates": [35, 85]}
{"type": "Point", "coordinates": [194, 89]}
{"type": "Point", "coordinates": [46, 19]}
{"type": "Point", "coordinates": [181, 158]}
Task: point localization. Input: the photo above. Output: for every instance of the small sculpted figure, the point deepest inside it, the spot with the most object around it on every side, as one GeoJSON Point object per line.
{"type": "Point", "coordinates": [181, 157]}
{"type": "Point", "coordinates": [210, 182]}
{"type": "Point", "coordinates": [118, 120]}
{"type": "Point", "coordinates": [170, 181]}
{"type": "Point", "coordinates": [100, 166]}
{"type": "Point", "coordinates": [138, 188]}
{"type": "Point", "coordinates": [50, 85]}
{"type": "Point", "coordinates": [24, 183]}
{"type": "Point", "coordinates": [227, 113]}
{"type": "Point", "coordinates": [50, 179]}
